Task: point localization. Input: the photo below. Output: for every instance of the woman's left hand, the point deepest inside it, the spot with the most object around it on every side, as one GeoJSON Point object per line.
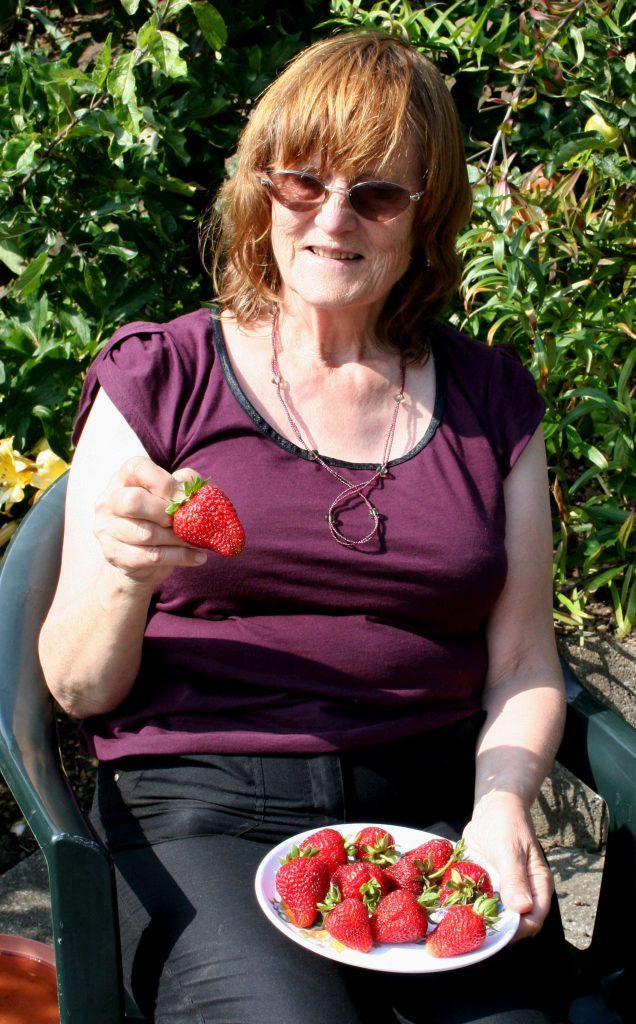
{"type": "Point", "coordinates": [501, 833]}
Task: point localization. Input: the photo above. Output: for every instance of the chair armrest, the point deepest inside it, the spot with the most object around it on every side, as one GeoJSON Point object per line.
{"type": "Point", "coordinates": [599, 748]}
{"type": "Point", "coordinates": [81, 878]}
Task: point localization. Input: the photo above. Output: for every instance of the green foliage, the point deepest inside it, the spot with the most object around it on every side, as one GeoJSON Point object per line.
{"type": "Point", "coordinates": [549, 253]}
{"type": "Point", "coordinates": [115, 124]}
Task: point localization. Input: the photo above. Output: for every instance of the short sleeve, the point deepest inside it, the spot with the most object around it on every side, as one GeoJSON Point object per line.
{"type": "Point", "coordinates": [492, 391]}
{"type": "Point", "coordinates": [515, 406]}
{"type": "Point", "coordinates": [155, 375]}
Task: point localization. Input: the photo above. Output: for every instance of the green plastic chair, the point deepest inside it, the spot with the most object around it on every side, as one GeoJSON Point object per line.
{"type": "Point", "coordinates": [598, 747]}
{"type": "Point", "coordinates": [81, 877]}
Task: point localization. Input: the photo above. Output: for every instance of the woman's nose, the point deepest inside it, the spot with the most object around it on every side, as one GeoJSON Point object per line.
{"type": "Point", "coordinates": [336, 210]}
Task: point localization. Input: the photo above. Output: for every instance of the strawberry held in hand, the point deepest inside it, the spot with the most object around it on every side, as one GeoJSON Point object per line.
{"type": "Point", "coordinates": [206, 518]}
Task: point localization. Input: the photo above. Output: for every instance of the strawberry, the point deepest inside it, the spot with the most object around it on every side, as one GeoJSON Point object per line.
{"type": "Point", "coordinates": [206, 518]}
{"type": "Point", "coordinates": [329, 845]}
{"type": "Point", "coordinates": [399, 918]}
{"type": "Point", "coordinates": [349, 923]}
{"type": "Point", "coordinates": [362, 881]}
{"type": "Point", "coordinates": [434, 856]}
{"type": "Point", "coordinates": [463, 882]}
{"type": "Point", "coordinates": [374, 844]}
{"type": "Point", "coordinates": [406, 874]}
{"type": "Point", "coordinates": [463, 928]}
{"type": "Point", "coordinates": [302, 883]}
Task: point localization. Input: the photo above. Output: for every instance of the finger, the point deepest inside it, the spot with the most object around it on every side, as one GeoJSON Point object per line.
{"type": "Point", "coordinates": [541, 886]}
{"type": "Point", "coordinates": [146, 560]}
{"type": "Point", "coordinates": [140, 471]}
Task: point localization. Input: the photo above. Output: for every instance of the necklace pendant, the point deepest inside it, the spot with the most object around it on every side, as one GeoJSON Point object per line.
{"type": "Point", "coordinates": [277, 380]}
{"type": "Point", "coordinates": [313, 454]}
{"type": "Point", "coordinates": [330, 518]}
{"type": "Point", "coordinates": [399, 397]}
{"type": "Point", "coordinates": [383, 470]}
{"type": "Point", "coordinates": [373, 512]}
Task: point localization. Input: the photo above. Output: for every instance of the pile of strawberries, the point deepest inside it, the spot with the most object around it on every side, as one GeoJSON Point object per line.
{"type": "Point", "coordinates": [367, 893]}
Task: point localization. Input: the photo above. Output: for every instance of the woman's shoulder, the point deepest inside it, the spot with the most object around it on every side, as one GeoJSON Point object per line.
{"type": "Point", "coordinates": [479, 367]}
{"type": "Point", "coordinates": [152, 372]}
{"type": "Point", "coordinates": [188, 332]}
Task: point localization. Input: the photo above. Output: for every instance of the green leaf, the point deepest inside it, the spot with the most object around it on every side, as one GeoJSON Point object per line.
{"type": "Point", "coordinates": [625, 531]}
{"type": "Point", "coordinates": [130, 6]}
{"type": "Point", "coordinates": [11, 256]}
{"type": "Point", "coordinates": [211, 24]}
{"type": "Point", "coordinates": [29, 279]}
{"type": "Point", "coordinates": [102, 64]}
{"type": "Point", "coordinates": [121, 80]}
{"type": "Point", "coordinates": [164, 49]}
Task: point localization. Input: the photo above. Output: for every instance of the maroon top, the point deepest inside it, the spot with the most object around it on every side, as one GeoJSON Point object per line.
{"type": "Point", "coordinates": [302, 645]}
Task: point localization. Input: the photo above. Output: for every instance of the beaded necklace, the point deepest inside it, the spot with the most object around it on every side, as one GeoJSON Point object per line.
{"type": "Point", "coordinates": [351, 489]}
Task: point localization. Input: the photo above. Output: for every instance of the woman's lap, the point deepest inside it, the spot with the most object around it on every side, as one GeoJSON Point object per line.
{"type": "Point", "coordinates": [196, 947]}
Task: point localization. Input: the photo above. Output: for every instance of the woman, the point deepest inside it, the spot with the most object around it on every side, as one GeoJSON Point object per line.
{"type": "Point", "coordinates": [383, 650]}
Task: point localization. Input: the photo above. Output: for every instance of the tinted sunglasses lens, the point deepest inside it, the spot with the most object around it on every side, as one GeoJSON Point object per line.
{"type": "Point", "coordinates": [379, 200]}
{"type": "Point", "coordinates": [296, 191]}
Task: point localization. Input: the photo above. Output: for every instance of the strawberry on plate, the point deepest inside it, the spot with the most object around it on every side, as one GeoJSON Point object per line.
{"type": "Point", "coordinates": [406, 874]}
{"type": "Point", "coordinates": [399, 918]}
{"type": "Point", "coordinates": [463, 928]}
{"type": "Point", "coordinates": [206, 518]}
{"type": "Point", "coordinates": [374, 844]}
{"type": "Point", "coordinates": [302, 884]}
{"type": "Point", "coordinates": [362, 881]}
{"type": "Point", "coordinates": [330, 847]}
{"type": "Point", "coordinates": [435, 856]}
{"type": "Point", "coordinates": [349, 923]}
{"type": "Point", "coordinates": [463, 882]}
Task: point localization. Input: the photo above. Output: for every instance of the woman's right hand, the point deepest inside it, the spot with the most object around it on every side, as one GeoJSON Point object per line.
{"type": "Point", "coordinates": [133, 528]}
{"type": "Point", "coordinates": [118, 547]}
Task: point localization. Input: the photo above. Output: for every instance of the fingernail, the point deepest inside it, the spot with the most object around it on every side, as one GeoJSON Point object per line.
{"type": "Point", "coordinates": [200, 558]}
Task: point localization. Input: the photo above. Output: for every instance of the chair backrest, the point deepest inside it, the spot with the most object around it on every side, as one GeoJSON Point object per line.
{"type": "Point", "coordinates": [83, 903]}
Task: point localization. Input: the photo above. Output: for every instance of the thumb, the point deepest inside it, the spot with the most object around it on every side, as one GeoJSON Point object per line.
{"type": "Point", "coordinates": [181, 477]}
{"type": "Point", "coordinates": [514, 885]}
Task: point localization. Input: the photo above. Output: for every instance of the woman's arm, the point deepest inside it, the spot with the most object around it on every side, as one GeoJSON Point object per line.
{"type": "Point", "coordinates": [118, 546]}
{"type": "Point", "coordinates": [523, 697]}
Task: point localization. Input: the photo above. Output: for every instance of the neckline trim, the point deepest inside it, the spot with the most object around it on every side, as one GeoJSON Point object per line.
{"type": "Point", "coordinates": [294, 449]}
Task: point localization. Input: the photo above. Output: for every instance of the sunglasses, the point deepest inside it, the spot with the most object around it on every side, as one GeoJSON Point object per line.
{"type": "Point", "coordinates": [373, 200]}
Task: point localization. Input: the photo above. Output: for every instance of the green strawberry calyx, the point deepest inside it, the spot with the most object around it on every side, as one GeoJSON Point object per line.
{"type": "Point", "coordinates": [190, 488]}
{"type": "Point", "coordinates": [488, 908]}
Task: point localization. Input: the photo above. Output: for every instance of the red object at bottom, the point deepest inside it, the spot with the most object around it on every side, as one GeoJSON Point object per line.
{"type": "Point", "coordinates": [28, 988]}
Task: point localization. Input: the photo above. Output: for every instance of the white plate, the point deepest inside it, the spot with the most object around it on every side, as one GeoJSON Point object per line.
{"type": "Point", "coordinates": [409, 958]}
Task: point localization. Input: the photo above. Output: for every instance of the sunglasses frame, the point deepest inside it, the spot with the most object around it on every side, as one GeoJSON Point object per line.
{"type": "Point", "coordinates": [307, 204]}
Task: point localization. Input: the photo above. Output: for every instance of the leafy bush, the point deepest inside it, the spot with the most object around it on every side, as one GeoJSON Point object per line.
{"type": "Point", "coordinates": [547, 95]}
{"type": "Point", "coordinates": [115, 126]}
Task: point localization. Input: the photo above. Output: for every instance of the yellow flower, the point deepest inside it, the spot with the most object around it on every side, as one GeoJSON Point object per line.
{"type": "Point", "coordinates": [15, 473]}
{"type": "Point", "coordinates": [48, 466]}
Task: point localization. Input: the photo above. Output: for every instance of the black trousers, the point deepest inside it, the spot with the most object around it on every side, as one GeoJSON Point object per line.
{"type": "Point", "coordinates": [187, 835]}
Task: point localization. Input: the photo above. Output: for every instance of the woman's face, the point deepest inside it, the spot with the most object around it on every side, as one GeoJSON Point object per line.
{"type": "Point", "coordinates": [330, 257]}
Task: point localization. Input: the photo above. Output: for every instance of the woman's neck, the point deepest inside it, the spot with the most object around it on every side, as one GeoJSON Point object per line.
{"type": "Point", "coordinates": [328, 337]}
